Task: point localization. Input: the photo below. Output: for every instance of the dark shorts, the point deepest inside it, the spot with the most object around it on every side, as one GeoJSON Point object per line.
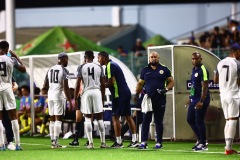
{"type": "Point", "coordinates": [121, 106]}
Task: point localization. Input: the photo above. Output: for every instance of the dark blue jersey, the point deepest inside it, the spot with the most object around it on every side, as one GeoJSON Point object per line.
{"type": "Point", "coordinates": [199, 75]}
{"type": "Point", "coordinates": [120, 87]}
{"type": "Point", "coordinates": [155, 79]}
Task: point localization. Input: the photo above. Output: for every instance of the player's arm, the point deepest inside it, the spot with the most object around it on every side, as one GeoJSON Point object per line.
{"type": "Point", "coordinates": [216, 77]}
{"type": "Point", "coordinates": [102, 81]}
{"type": "Point", "coordinates": [110, 82]}
{"type": "Point", "coordinates": [139, 86]}
{"type": "Point", "coordinates": [66, 89]}
{"type": "Point", "coordinates": [170, 83]}
{"type": "Point", "coordinates": [17, 62]}
{"type": "Point", "coordinates": [14, 85]}
{"type": "Point", "coordinates": [46, 82]}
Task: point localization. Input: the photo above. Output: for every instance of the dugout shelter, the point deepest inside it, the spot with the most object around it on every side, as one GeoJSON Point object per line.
{"type": "Point", "coordinates": [178, 59]}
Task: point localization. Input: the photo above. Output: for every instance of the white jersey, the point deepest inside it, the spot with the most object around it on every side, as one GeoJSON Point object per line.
{"type": "Point", "coordinates": [6, 68]}
{"type": "Point", "coordinates": [55, 76]}
{"type": "Point", "coordinates": [90, 74]}
{"type": "Point", "coordinates": [229, 71]}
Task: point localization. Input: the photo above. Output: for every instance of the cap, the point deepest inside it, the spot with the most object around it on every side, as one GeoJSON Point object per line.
{"type": "Point", "coordinates": [63, 54]}
{"type": "Point", "coordinates": [235, 46]}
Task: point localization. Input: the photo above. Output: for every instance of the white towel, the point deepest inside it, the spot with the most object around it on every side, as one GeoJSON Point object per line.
{"type": "Point", "coordinates": [146, 104]}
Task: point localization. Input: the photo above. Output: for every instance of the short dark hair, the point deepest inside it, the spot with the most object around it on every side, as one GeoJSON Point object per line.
{"type": "Point", "coordinates": [104, 54]}
{"type": "Point", "coordinates": [89, 54]}
{"type": "Point", "coordinates": [4, 45]}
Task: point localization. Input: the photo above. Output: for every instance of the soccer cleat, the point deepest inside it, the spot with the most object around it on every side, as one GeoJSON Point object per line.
{"type": "Point", "coordinates": [143, 145]}
{"type": "Point", "coordinates": [11, 146]}
{"type": "Point", "coordinates": [104, 145]}
{"type": "Point", "coordinates": [196, 144]}
{"type": "Point", "coordinates": [18, 148]}
{"type": "Point", "coordinates": [133, 144]}
{"type": "Point", "coordinates": [54, 146]}
{"type": "Point", "coordinates": [117, 145]}
{"type": "Point", "coordinates": [201, 147]}
{"type": "Point", "coordinates": [74, 143]}
{"type": "Point", "coordinates": [90, 146]}
{"type": "Point", "coordinates": [228, 152]}
{"type": "Point", "coordinates": [158, 146]}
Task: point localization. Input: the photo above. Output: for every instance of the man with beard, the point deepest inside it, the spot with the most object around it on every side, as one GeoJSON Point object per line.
{"type": "Point", "coordinates": [157, 80]}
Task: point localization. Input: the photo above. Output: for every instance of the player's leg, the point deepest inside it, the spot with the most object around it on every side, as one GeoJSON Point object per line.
{"type": "Point", "coordinates": [59, 106]}
{"type": "Point", "coordinates": [78, 124]}
{"type": "Point", "coordinates": [10, 106]}
{"type": "Point", "coordinates": [231, 112]}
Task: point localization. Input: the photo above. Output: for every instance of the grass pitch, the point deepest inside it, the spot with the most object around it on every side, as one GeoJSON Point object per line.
{"type": "Point", "coordinates": [38, 148]}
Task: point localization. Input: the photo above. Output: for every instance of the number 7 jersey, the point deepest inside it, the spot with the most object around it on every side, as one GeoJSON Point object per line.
{"type": "Point", "coordinates": [228, 71]}
{"type": "Point", "coordinates": [55, 76]}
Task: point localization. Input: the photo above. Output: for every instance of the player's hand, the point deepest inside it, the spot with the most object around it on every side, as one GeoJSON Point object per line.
{"type": "Point", "coordinates": [162, 91]}
{"type": "Point", "coordinates": [199, 105]}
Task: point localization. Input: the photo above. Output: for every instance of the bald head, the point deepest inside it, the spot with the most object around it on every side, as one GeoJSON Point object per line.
{"type": "Point", "coordinates": [154, 58]}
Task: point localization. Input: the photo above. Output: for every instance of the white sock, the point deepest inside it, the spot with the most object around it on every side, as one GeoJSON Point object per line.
{"type": "Point", "coordinates": [57, 130]}
{"type": "Point", "coordinates": [15, 128]}
{"type": "Point", "coordinates": [134, 137]}
{"type": "Point", "coordinates": [101, 130]}
{"type": "Point", "coordinates": [230, 133]}
{"type": "Point", "coordinates": [119, 140]}
{"type": "Point", "coordinates": [1, 134]}
{"type": "Point", "coordinates": [51, 130]}
{"type": "Point", "coordinates": [88, 123]}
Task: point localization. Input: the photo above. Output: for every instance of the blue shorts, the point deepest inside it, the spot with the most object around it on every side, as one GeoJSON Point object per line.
{"type": "Point", "coordinates": [121, 106]}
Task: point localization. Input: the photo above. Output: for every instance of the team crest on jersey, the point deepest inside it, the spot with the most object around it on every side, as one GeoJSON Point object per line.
{"type": "Point", "coordinates": [161, 71]}
{"type": "Point", "coordinates": [196, 75]}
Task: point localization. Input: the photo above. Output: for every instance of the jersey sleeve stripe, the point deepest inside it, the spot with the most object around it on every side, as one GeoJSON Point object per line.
{"type": "Point", "coordinates": [205, 77]}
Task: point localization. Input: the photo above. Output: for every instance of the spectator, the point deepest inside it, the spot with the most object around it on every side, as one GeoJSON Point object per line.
{"type": "Point", "coordinates": [138, 48]}
{"type": "Point", "coordinates": [217, 38]}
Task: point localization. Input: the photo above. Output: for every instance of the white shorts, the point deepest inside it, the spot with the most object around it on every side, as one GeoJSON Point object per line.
{"type": "Point", "coordinates": [7, 99]}
{"type": "Point", "coordinates": [91, 101]}
{"type": "Point", "coordinates": [230, 107]}
{"type": "Point", "coordinates": [56, 107]}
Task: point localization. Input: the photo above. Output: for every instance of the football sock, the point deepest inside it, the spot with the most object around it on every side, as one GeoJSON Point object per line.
{"type": "Point", "coordinates": [101, 130]}
{"type": "Point", "coordinates": [51, 130]}
{"type": "Point", "coordinates": [1, 134]}
{"type": "Point", "coordinates": [77, 130]}
{"type": "Point", "coordinates": [57, 130]}
{"type": "Point", "coordinates": [119, 140]}
{"type": "Point", "coordinates": [15, 128]}
{"type": "Point", "coordinates": [230, 133]}
{"type": "Point", "coordinates": [134, 137]}
{"type": "Point", "coordinates": [89, 129]}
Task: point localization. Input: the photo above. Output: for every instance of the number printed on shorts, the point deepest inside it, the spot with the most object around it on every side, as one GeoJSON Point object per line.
{"type": "Point", "coordinates": [54, 76]}
{"type": "Point", "coordinates": [3, 69]}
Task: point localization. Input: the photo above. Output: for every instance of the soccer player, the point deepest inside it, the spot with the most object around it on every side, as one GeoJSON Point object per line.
{"type": "Point", "coordinates": [158, 80]}
{"type": "Point", "coordinates": [198, 102]}
{"type": "Point", "coordinates": [121, 94]}
{"type": "Point", "coordinates": [7, 97]}
{"type": "Point", "coordinates": [57, 82]}
{"type": "Point", "coordinates": [228, 77]}
{"type": "Point", "coordinates": [7, 123]}
{"type": "Point", "coordinates": [92, 99]}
